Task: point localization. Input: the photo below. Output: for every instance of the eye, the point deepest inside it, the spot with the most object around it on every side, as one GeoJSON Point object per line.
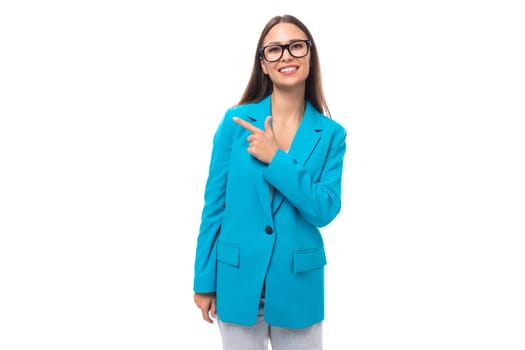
{"type": "Point", "coordinates": [273, 49]}
{"type": "Point", "coordinates": [298, 45]}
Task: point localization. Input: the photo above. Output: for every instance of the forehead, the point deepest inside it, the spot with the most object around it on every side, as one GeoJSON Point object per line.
{"type": "Point", "coordinates": [283, 33]}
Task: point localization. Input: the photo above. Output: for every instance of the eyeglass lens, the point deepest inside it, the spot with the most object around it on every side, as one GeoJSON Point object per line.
{"type": "Point", "coordinates": [297, 49]}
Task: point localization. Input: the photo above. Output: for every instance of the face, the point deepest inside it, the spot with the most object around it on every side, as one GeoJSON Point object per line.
{"type": "Point", "coordinates": [288, 71]}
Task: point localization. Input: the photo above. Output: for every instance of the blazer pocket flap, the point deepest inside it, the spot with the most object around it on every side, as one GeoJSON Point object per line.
{"type": "Point", "coordinates": [228, 254]}
{"type": "Point", "coordinates": [306, 260]}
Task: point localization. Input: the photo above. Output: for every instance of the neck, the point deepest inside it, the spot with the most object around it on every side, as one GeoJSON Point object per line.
{"type": "Point", "coordinates": [288, 106]}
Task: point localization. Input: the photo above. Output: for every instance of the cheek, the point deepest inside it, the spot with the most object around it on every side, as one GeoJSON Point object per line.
{"type": "Point", "coordinates": [307, 69]}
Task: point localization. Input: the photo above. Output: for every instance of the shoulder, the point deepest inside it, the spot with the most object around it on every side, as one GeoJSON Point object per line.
{"type": "Point", "coordinates": [256, 108]}
{"type": "Point", "coordinates": [251, 112]}
{"type": "Point", "coordinates": [324, 122]}
{"type": "Point", "coordinates": [238, 111]}
{"type": "Point", "coordinates": [244, 109]}
{"type": "Point", "coordinates": [335, 131]}
{"type": "Point", "coordinates": [332, 124]}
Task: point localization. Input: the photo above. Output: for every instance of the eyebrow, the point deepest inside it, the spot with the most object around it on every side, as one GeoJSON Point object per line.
{"type": "Point", "coordinates": [280, 43]}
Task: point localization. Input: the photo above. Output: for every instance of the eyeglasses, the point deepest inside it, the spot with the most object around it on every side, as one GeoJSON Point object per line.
{"type": "Point", "coordinates": [297, 48]}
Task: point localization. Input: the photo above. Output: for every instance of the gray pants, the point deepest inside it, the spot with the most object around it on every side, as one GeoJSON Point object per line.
{"type": "Point", "coordinates": [236, 337]}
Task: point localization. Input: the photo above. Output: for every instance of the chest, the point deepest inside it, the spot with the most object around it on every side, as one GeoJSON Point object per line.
{"type": "Point", "coordinates": [284, 136]}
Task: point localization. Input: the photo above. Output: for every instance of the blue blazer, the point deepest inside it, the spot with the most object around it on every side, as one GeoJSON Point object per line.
{"type": "Point", "coordinates": [250, 239]}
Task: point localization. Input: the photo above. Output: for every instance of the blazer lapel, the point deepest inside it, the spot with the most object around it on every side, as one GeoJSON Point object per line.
{"type": "Point", "coordinates": [307, 135]}
{"type": "Point", "coordinates": [305, 140]}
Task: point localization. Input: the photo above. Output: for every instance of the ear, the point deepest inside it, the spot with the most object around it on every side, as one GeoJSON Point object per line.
{"type": "Point", "coordinates": [263, 66]}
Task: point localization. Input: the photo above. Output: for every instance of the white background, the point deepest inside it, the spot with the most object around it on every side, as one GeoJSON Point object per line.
{"type": "Point", "coordinates": [107, 112]}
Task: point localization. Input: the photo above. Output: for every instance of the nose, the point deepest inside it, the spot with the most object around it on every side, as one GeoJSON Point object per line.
{"type": "Point", "coordinates": [286, 54]}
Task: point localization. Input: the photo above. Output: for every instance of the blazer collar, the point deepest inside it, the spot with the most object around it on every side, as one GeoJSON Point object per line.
{"type": "Point", "coordinates": [305, 140]}
{"type": "Point", "coordinates": [307, 135]}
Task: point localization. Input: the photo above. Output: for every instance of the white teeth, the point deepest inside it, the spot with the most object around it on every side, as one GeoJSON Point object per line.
{"type": "Point", "coordinates": [288, 69]}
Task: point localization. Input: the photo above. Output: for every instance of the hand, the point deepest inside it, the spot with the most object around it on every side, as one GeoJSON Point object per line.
{"type": "Point", "coordinates": [261, 143]}
{"type": "Point", "coordinates": [207, 302]}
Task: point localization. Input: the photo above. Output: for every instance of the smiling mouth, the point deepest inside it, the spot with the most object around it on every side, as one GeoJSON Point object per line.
{"type": "Point", "coordinates": [288, 69]}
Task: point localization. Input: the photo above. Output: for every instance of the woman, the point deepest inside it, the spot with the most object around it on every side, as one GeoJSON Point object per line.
{"type": "Point", "coordinates": [274, 180]}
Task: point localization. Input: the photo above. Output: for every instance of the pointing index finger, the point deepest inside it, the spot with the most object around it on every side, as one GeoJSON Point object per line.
{"type": "Point", "coordinates": [246, 125]}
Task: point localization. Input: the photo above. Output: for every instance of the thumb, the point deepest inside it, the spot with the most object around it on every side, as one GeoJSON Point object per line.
{"type": "Point", "coordinates": [213, 309]}
{"type": "Point", "coordinates": [268, 124]}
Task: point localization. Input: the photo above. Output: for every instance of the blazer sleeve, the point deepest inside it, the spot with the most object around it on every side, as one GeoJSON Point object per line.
{"type": "Point", "coordinates": [214, 204]}
{"type": "Point", "coordinates": [318, 201]}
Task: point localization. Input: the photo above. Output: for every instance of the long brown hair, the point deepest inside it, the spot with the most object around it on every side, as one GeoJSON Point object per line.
{"type": "Point", "coordinates": [259, 86]}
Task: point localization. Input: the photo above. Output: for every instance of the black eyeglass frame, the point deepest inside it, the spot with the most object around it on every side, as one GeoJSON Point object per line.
{"type": "Point", "coordinates": [283, 47]}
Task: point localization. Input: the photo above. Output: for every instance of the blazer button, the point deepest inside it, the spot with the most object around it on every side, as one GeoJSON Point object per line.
{"type": "Point", "coordinates": [268, 229]}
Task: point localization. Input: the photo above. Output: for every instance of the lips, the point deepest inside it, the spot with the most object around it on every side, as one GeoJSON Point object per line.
{"type": "Point", "coordinates": [288, 69]}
